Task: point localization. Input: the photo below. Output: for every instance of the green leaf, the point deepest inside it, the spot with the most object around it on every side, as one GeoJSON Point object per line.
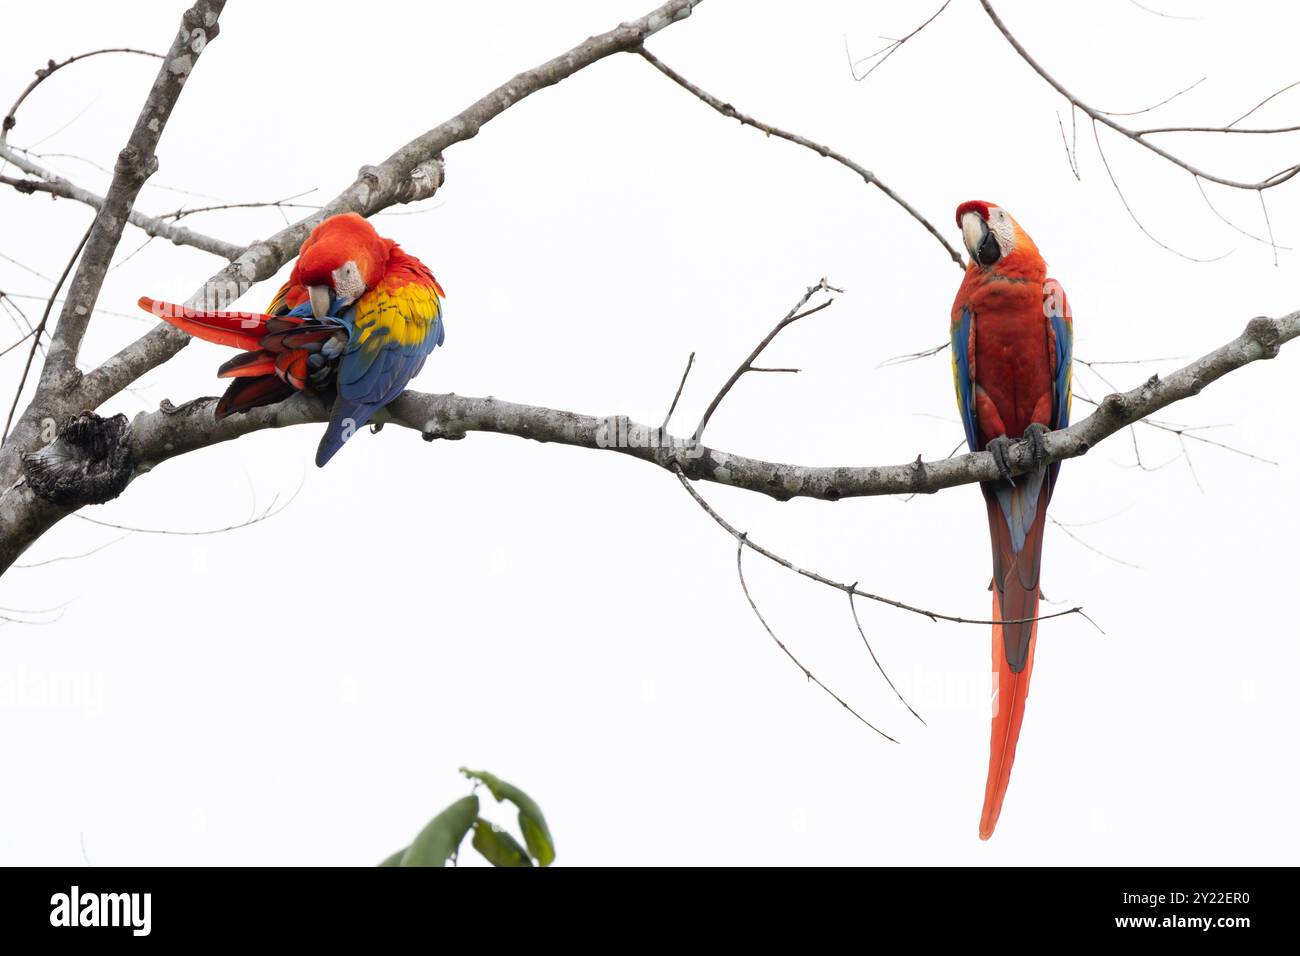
{"type": "Point", "coordinates": [395, 859]}
{"type": "Point", "coordinates": [497, 846]}
{"type": "Point", "coordinates": [440, 838]}
{"type": "Point", "coordinates": [531, 821]}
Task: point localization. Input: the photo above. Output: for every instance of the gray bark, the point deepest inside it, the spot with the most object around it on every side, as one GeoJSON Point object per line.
{"type": "Point", "coordinates": [154, 437]}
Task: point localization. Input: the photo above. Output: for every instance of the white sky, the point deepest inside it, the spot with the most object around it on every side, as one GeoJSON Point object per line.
{"type": "Point", "coordinates": [302, 691]}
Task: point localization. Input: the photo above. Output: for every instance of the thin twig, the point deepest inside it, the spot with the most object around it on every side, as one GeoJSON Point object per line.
{"type": "Point", "coordinates": [1271, 96]}
{"type": "Point", "coordinates": [72, 557]}
{"type": "Point", "coordinates": [1157, 13]}
{"type": "Point", "coordinates": [888, 50]}
{"type": "Point", "coordinates": [10, 348]}
{"type": "Point", "coordinates": [1099, 116]}
{"type": "Point", "coordinates": [1129, 209]}
{"type": "Point", "coordinates": [854, 608]}
{"type": "Point", "coordinates": [1186, 431]}
{"type": "Point", "coordinates": [841, 586]}
{"type": "Point", "coordinates": [1155, 106]}
{"type": "Point", "coordinates": [26, 268]}
{"type": "Point", "coordinates": [726, 109]}
{"type": "Point", "coordinates": [740, 570]}
{"type": "Point", "coordinates": [1268, 223]}
{"type": "Point", "coordinates": [285, 203]}
{"type": "Point", "coordinates": [680, 385]}
{"type": "Point", "coordinates": [16, 312]}
{"type": "Point", "coordinates": [1078, 540]}
{"type": "Point", "coordinates": [791, 317]}
{"type": "Point", "coordinates": [50, 68]}
{"type": "Point", "coordinates": [1232, 225]}
{"type": "Point", "coordinates": [270, 511]}
{"type": "Point", "coordinates": [1071, 151]}
{"type": "Point", "coordinates": [913, 356]}
{"type": "Point", "coordinates": [40, 328]}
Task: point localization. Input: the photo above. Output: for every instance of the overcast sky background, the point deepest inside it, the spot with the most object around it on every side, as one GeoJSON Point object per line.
{"type": "Point", "coordinates": [301, 691]}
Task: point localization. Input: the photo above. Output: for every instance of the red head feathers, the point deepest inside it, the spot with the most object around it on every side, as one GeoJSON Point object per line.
{"type": "Point", "coordinates": [996, 242]}
{"type": "Point", "coordinates": [343, 256]}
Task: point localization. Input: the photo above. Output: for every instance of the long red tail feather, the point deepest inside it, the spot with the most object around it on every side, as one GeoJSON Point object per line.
{"type": "Point", "coordinates": [1008, 714]}
{"type": "Point", "coordinates": [1015, 598]}
{"type": "Point", "coordinates": [248, 365]}
{"type": "Point", "coordinates": [240, 330]}
{"type": "Point", "coordinates": [246, 393]}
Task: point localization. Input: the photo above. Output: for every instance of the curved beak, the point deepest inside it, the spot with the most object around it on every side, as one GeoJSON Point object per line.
{"type": "Point", "coordinates": [980, 242]}
{"type": "Point", "coordinates": [320, 300]}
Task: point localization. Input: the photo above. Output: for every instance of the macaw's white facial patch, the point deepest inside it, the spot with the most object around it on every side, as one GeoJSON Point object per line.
{"type": "Point", "coordinates": [348, 284]}
{"type": "Point", "coordinates": [1003, 229]}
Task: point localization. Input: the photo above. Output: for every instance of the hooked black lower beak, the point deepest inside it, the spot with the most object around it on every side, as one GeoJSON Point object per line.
{"type": "Point", "coordinates": [987, 252]}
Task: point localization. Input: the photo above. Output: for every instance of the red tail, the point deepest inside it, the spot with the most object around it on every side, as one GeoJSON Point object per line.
{"type": "Point", "coordinates": [1015, 598]}
{"type": "Point", "coordinates": [239, 330]}
{"type": "Point", "coordinates": [1008, 714]}
{"type": "Point", "coordinates": [275, 358]}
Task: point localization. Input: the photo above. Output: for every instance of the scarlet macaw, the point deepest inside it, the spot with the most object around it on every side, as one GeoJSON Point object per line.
{"type": "Point", "coordinates": [1012, 346]}
{"type": "Point", "coordinates": [357, 314]}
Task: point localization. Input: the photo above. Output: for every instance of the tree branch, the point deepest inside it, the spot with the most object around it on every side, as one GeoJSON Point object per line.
{"type": "Point", "coordinates": [39, 330]}
{"type": "Point", "coordinates": [45, 181]}
{"type": "Point", "coordinates": [136, 163]}
{"type": "Point", "coordinates": [48, 182]}
{"type": "Point", "coordinates": [885, 52]}
{"type": "Point", "coordinates": [870, 178]}
{"type": "Point", "coordinates": [791, 317]}
{"type": "Point", "coordinates": [413, 172]}
{"type": "Point", "coordinates": [154, 437]}
{"type": "Point", "coordinates": [50, 68]}
{"type": "Point", "coordinates": [1137, 136]}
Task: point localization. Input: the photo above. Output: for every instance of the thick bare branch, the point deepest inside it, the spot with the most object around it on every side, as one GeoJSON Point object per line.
{"type": "Point", "coordinates": [136, 163]}
{"type": "Point", "coordinates": [413, 172]}
{"type": "Point", "coordinates": [56, 394]}
{"type": "Point", "coordinates": [44, 181]}
{"type": "Point", "coordinates": [154, 437]}
{"type": "Point", "coordinates": [851, 590]}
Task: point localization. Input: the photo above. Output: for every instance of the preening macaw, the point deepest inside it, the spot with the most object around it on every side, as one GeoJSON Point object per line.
{"type": "Point", "coordinates": [358, 316]}
{"type": "Point", "coordinates": [1012, 347]}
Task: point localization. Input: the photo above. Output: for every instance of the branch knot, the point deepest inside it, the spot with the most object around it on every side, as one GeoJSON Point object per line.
{"type": "Point", "coordinates": [88, 463]}
{"type": "Point", "coordinates": [1264, 332]}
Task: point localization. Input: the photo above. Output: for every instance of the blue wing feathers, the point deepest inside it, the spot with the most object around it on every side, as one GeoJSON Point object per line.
{"type": "Point", "coordinates": [371, 374]}
{"type": "Point", "coordinates": [1064, 334]}
{"type": "Point", "coordinates": [961, 369]}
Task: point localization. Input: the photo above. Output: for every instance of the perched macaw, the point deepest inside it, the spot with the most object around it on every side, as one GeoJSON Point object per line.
{"type": "Point", "coordinates": [1012, 346]}
{"type": "Point", "coordinates": [358, 316]}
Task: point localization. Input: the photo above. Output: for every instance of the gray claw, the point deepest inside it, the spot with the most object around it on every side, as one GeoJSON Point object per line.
{"type": "Point", "coordinates": [998, 448]}
{"type": "Point", "coordinates": [1034, 435]}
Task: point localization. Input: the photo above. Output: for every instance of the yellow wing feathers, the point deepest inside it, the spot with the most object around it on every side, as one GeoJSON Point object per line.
{"type": "Point", "coordinates": [404, 315]}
